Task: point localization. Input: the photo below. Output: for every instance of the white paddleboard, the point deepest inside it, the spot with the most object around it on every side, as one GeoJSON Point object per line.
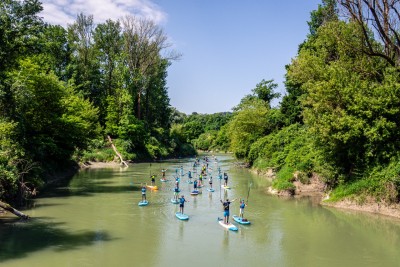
{"type": "Point", "coordinates": [181, 216]}
{"type": "Point", "coordinates": [229, 226]}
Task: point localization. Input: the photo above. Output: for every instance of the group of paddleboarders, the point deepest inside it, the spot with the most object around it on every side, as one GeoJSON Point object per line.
{"type": "Point", "coordinates": [196, 184]}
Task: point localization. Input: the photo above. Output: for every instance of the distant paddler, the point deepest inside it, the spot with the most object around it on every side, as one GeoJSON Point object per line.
{"type": "Point", "coordinates": [225, 179]}
{"type": "Point", "coordinates": [163, 171]}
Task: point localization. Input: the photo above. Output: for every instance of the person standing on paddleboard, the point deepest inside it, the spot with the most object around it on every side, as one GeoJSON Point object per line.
{"type": "Point", "coordinates": [195, 185]}
{"type": "Point", "coordinates": [163, 171]}
{"type": "Point", "coordinates": [143, 192]}
{"type": "Point", "coordinates": [242, 206]}
{"type": "Point", "coordinates": [225, 179]}
{"type": "Point", "coordinates": [210, 181]}
{"type": "Point", "coordinates": [153, 180]}
{"type": "Point", "coordinates": [226, 204]}
{"type": "Point", "coordinates": [176, 193]}
{"type": "Point", "coordinates": [182, 201]}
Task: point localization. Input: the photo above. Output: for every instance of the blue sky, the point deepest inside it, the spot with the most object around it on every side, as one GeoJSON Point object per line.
{"type": "Point", "coordinates": [227, 46]}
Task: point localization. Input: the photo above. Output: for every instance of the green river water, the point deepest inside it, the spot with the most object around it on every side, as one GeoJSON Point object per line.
{"type": "Point", "coordinates": [95, 220]}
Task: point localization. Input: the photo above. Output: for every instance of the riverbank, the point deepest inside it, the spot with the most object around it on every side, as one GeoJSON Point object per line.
{"type": "Point", "coordinates": [316, 188]}
{"type": "Point", "coordinates": [371, 206]}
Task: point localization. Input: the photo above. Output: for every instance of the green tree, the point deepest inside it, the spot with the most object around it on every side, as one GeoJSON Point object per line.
{"type": "Point", "coordinates": [84, 69]}
{"type": "Point", "coordinates": [108, 46]}
{"type": "Point", "coordinates": [247, 125]}
{"type": "Point", "coordinates": [20, 26]}
{"type": "Point", "coordinates": [348, 105]}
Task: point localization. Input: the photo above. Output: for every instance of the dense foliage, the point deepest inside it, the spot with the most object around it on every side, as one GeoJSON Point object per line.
{"type": "Point", "coordinates": [63, 91]}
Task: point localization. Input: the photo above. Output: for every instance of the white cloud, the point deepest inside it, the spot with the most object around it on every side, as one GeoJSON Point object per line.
{"type": "Point", "coordinates": [63, 12]}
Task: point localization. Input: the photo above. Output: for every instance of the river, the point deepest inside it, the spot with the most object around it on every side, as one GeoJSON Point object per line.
{"type": "Point", "coordinates": [95, 220]}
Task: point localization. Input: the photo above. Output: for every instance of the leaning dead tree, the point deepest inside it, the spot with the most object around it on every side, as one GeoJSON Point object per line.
{"type": "Point", "coordinates": [116, 152]}
{"type": "Point", "coordinates": [7, 207]}
{"type": "Point", "coordinates": [380, 17]}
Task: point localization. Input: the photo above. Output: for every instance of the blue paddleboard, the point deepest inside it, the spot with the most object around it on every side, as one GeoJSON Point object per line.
{"type": "Point", "coordinates": [182, 216]}
{"type": "Point", "coordinates": [174, 201]}
{"type": "Point", "coordinates": [143, 203]}
{"type": "Point", "coordinates": [194, 192]}
{"type": "Point", "coordinates": [240, 220]}
{"type": "Point", "coordinates": [210, 189]}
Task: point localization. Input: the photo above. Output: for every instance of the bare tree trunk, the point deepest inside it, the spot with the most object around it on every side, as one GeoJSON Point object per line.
{"type": "Point", "coordinates": [116, 152]}
{"type": "Point", "coordinates": [7, 207]}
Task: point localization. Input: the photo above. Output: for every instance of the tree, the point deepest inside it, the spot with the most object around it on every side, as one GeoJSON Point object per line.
{"type": "Point", "coordinates": [290, 106]}
{"type": "Point", "coordinates": [348, 105]}
{"type": "Point", "coordinates": [247, 125]}
{"type": "Point", "coordinates": [327, 12]}
{"type": "Point", "coordinates": [108, 46]}
{"type": "Point", "coordinates": [84, 66]}
{"type": "Point", "coordinates": [20, 26]}
{"type": "Point", "coordinates": [265, 91]}
{"type": "Point", "coordinates": [144, 43]}
{"type": "Point", "coordinates": [383, 16]}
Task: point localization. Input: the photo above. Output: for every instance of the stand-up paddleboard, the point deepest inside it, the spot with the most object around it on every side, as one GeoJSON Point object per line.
{"type": "Point", "coordinates": [174, 201]}
{"type": "Point", "coordinates": [152, 187]}
{"type": "Point", "coordinates": [229, 226]}
{"type": "Point", "coordinates": [182, 216]}
{"type": "Point", "coordinates": [164, 180]}
{"type": "Point", "coordinates": [194, 192]}
{"type": "Point", "coordinates": [225, 187]}
{"type": "Point", "coordinates": [210, 189]}
{"type": "Point", "coordinates": [143, 203]}
{"type": "Point", "coordinates": [240, 220]}
{"type": "Point", "coordinates": [189, 182]}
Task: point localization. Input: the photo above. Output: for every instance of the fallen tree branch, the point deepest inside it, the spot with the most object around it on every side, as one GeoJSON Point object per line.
{"type": "Point", "coordinates": [116, 151]}
{"type": "Point", "coordinates": [7, 207]}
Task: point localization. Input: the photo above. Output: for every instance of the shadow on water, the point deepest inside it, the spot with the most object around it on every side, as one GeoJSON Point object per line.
{"type": "Point", "coordinates": [19, 238]}
{"type": "Point", "coordinates": [88, 190]}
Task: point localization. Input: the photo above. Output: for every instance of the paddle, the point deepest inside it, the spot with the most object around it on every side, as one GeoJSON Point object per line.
{"type": "Point", "coordinates": [220, 189]}
{"type": "Point", "coordinates": [248, 193]}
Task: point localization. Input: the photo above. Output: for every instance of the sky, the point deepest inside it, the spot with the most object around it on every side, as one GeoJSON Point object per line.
{"type": "Point", "coordinates": [227, 46]}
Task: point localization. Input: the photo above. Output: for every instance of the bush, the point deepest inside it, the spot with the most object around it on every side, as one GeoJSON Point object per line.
{"type": "Point", "coordinates": [284, 179]}
{"type": "Point", "coordinates": [381, 182]}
